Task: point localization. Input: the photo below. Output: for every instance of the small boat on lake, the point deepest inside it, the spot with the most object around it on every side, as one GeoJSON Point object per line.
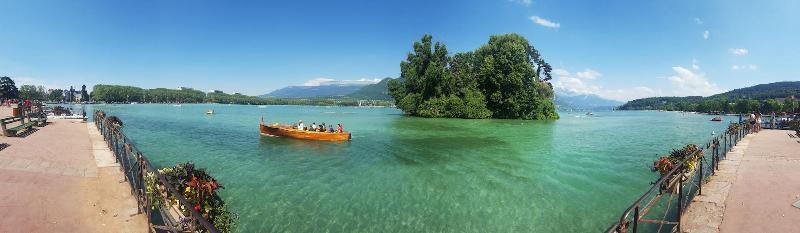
{"type": "Point", "coordinates": [280, 130]}
{"type": "Point", "coordinates": [210, 112]}
{"type": "Point", "coordinates": [716, 119]}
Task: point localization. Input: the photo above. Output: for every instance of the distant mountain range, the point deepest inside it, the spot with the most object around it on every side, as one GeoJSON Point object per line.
{"type": "Point", "coordinates": [380, 91]}
{"type": "Point", "coordinates": [584, 102]}
{"type": "Point", "coordinates": [375, 91]}
{"type": "Point", "coordinates": [314, 91]}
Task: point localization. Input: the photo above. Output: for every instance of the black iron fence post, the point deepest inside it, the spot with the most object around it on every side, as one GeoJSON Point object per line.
{"type": "Point", "coordinates": [636, 219]}
{"type": "Point", "coordinates": [700, 181]}
{"type": "Point", "coordinates": [123, 149]}
{"type": "Point", "coordinates": [680, 201]}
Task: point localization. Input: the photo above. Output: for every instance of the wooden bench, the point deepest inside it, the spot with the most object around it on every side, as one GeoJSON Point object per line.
{"type": "Point", "coordinates": [12, 132]}
{"type": "Point", "coordinates": [39, 119]}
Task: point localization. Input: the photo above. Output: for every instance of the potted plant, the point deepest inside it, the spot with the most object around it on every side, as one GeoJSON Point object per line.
{"type": "Point", "coordinates": [664, 164]}
{"type": "Point", "coordinates": [200, 190]}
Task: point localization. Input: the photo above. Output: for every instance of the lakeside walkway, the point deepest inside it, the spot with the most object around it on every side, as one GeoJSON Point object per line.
{"type": "Point", "coordinates": [754, 189]}
{"type": "Point", "coordinates": [62, 178]}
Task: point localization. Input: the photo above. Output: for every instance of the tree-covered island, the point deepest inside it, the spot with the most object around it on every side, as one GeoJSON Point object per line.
{"type": "Point", "coordinates": [505, 78]}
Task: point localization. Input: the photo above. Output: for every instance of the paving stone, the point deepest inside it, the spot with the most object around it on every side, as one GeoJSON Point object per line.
{"type": "Point", "coordinates": [753, 189]}
{"type": "Point", "coordinates": [50, 183]}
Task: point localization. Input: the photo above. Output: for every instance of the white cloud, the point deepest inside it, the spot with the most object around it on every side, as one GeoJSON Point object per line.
{"type": "Point", "coordinates": [744, 67]}
{"type": "Point", "coordinates": [318, 81]}
{"type": "Point", "coordinates": [588, 74]}
{"type": "Point", "coordinates": [739, 51]}
{"type": "Point", "coordinates": [698, 21]}
{"type": "Point", "coordinates": [544, 22]}
{"type": "Point", "coordinates": [581, 83]}
{"type": "Point", "coordinates": [19, 81]}
{"type": "Point", "coordinates": [625, 94]}
{"type": "Point", "coordinates": [574, 86]}
{"type": "Point", "coordinates": [706, 34]}
{"type": "Point", "coordinates": [561, 72]}
{"type": "Point", "coordinates": [688, 82]}
{"type": "Point", "coordinates": [685, 82]}
{"type": "Point", "coordinates": [330, 81]}
{"type": "Point", "coordinates": [523, 2]}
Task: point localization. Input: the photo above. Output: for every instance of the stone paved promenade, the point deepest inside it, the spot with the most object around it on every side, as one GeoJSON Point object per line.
{"type": "Point", "coordinates": [754, 189]}
{"type": "Point", "coordinates": [58, 179]}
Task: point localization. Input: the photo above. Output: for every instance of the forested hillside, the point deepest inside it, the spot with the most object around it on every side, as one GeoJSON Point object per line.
{"type": "Point", "coordinates": [777, 97]}
{"type": "Point", "coordinates": [378, 91]}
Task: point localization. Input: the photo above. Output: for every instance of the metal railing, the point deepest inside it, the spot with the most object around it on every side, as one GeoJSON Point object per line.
{"type": "Point", "coordinates": [778, 121]}
{"type": "Point", "coordinates": [660, 197]}
{"type": "Point", "coordinates": [135, 165]}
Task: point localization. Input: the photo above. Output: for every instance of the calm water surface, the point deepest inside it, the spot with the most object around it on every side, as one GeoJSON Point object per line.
{"type": "Point", "coordinates": [405, 174]}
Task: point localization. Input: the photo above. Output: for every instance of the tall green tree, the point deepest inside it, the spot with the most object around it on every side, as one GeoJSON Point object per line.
{"type": "Point", "coordinates": [56, 95]}
{"type": "Point", "coordinates": [771, 105]}
{"type": "Point", "coordinates": [31, 92]}
{"type": "Point", "coordinates": [791, 105]}
{"type": "Point", "coordinates": [508, 74]}
{"type": "Point", "coordinates": [501, 80]}
{"type": "Point", "coordinates": [8, 90]}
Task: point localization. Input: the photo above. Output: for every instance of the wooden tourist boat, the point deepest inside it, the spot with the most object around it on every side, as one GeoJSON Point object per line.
{"type": "Point", "coordinates": [279, 130]}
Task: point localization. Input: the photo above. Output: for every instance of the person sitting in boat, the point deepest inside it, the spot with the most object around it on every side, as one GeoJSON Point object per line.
{"type": "Point", "coordinates": [330, 130]}
{"type": "Point", "coordinates": [300, 125]}
{"type": "Point", "coordinates": [322, 128]}
{"type": "Point", "coordinates": [314, 126]}
{"type": "Point", "coordinates": [339, 128]}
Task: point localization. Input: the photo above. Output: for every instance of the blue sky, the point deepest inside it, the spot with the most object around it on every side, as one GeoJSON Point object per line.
{"type": "Point", "coordinates": [616, 49]}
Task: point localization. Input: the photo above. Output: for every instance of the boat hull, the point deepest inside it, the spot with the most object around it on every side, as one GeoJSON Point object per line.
{"type": "Point", "coordinates": [288, 131]}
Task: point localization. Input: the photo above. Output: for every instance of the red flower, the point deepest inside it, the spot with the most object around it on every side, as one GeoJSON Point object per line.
{"type": "Point", "coordinates": [197, 207]}
{"type": "Point", "coordinates": [193, 182]}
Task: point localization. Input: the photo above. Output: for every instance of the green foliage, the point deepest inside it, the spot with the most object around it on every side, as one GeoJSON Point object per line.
{"type": "Point", "coordinates": [772, 105]}
{"type": "Point", "coordinates": [56, 95]}
{"type": "Point", "coordinates": [31, 92]}
{"type": "Point", "coordinates": [183, 95]}
{"type": "Point", "coordinates": [127, 94]}
{"type": "Point", "coordinates": [762, 98]}
{"type": "Point", "coordinates": [501, 79]}
{"type": "Point", "coordinates": [200, 189]}
{"type": "Point", "coordinates": [762, 91]}
{"type": "Point", "coordinates": [152, 190]}
{"type": "Point", "coordinates": [117, 94]}
{"type": "Point", "coordinates": [8, 90]}
{"type": "Point", "coordinates": [791, 105]}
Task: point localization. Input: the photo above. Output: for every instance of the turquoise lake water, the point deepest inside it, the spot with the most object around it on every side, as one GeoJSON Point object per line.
{"type": "Point", "coordinates": [407, 174]}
